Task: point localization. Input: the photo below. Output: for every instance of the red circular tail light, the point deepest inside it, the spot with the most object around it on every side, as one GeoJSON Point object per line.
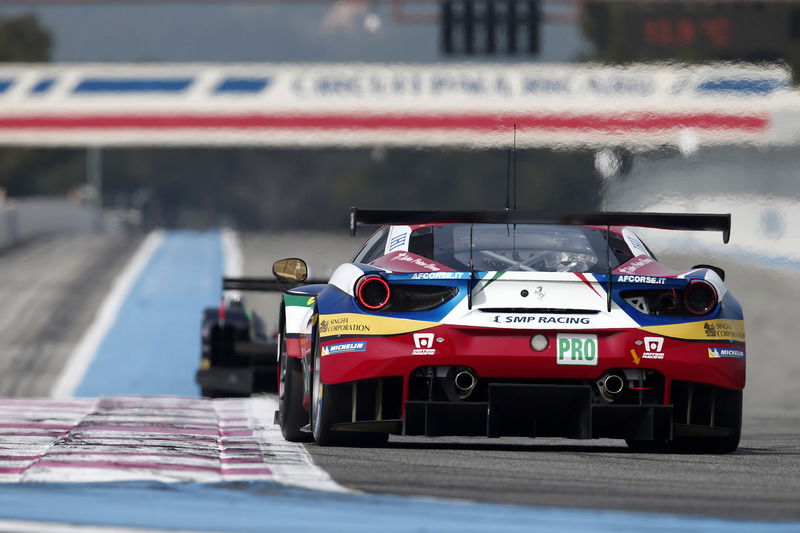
{"type": "Point", "coordinates": [699, 297]}
{"type": "Point", "coordinates": [373, 292]}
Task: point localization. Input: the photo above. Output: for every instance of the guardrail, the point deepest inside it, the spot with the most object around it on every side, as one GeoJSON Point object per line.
{"type": "Point", "coordinates": [24, 219]}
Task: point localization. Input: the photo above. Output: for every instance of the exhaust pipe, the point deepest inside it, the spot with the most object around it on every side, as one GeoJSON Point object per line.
{"type": "Point", "coordinates": [464, 382]}
{"type": "Point", "coordinates": [610, 386]}
{"type": "Point", "coordinates": [613, 384]}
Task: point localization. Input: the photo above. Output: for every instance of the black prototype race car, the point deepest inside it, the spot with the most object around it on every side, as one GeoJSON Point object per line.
{"type": "Point", "coordinates": [238, 357]}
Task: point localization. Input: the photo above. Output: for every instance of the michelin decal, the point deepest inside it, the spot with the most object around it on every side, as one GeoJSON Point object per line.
{"type": "Point", "coordinates": [344, 347]}
{"type": "Point", "coordinates": [725, 353]}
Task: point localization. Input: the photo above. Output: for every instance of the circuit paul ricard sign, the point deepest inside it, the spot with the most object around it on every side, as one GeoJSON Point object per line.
{"type": "Point", "coordinates": [391, 105]}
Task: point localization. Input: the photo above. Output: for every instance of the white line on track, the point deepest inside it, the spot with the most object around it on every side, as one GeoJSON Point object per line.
{"type": "Point", "coordinates": [20, 526]}
{"type": "Point", "coordinates": [86, 349]}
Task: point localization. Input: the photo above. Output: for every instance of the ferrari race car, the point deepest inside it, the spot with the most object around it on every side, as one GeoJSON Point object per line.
{"type": "Point", "coordinates": [238, 358]}
{"type": "Point", "coordinates": [513, 323]}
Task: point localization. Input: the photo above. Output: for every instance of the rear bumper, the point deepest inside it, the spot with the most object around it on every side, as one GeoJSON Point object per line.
{"type": "Point", "coordinates": [507, 354]}
{"type": "Point", "coordinates": [393, 385]}
{"type": "Point", "coordinates": [549, 411]}
{"type": "Point", "coordinates": [536, 410]}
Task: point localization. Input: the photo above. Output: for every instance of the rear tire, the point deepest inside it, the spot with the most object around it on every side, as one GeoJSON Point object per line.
{"type": "Point", "coordinates": [329, 405]}
{"type": "Point", "coordinates": [291, 414]}
{"type": "Point", "coordinates": [707, 445]}
{"type": "Point", "coordinates": [732, 416]}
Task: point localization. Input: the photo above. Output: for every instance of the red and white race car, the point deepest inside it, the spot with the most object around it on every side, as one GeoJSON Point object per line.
{"type": "Point", "coordinates": [513, 323]}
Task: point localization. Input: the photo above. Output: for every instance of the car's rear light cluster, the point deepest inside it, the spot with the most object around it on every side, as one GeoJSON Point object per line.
{"type": "Point", "coordinates": [699, 298]}
{"type": "Point", "coordinates": [374, 293]}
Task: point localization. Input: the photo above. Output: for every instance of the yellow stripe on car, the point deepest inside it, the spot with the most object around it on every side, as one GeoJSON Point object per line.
{"type": "Point", "coordinates": [356, 324]}
{"type": "Point", "coordinates": [707, 330]}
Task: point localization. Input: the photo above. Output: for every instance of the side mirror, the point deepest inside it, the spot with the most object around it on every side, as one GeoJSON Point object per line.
{"type": "Point", "coordinates": [718, 270]}
{"type": "Point", "coordinates": [293, 270]}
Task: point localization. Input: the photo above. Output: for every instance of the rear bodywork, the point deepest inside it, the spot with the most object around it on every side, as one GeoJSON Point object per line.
{"type": "Point", "coordinates": [522, 352]}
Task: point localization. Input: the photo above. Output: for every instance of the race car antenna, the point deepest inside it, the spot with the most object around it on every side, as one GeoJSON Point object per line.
{"type": "Point", "coordinates": [511, 161]}
{"type": "Point", "coordinates": [608, 265]}
{"type": "Point", "coordinates": [514, 152]}
{"type": "Point", "coordinates": [471, 268]}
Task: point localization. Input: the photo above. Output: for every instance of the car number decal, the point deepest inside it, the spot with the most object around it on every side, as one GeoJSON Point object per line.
{"type": "Point", "coordinates": [577, 349]}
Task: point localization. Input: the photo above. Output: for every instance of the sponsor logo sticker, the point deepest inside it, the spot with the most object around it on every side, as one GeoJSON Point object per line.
{"type": "Point", "coordinates": [723, 329]}
{"type": "Point", "coordinates": [634, 242]}
{"type": "Point", "coordinates": [514, 319]}
{"type": "Point", "coordinates": [716, 331]}
{"type": "Point", "coordinates": [641, 279]}
{"type": "Point", "coordinates": [423, 343]}
{"type": "Point", "coordinates": [363, 324]}
{"type": "Point", "coordinates": [342, 325]}
{"type": "Point", "coordinates": [725, 353]}
{"type": "Point", "coordinates": [344, 347]}
{"type": "Point", "coordinates": [405, 257]}
{"type": "Point", "coordinates": [577, 349]}
{"type": "Point", "coordinates": [653, 348]}
{"type": "Point", "coordinates": [397, 242]}
{"type": "Point", "coordinates": [440, 275]}
{"type": "Point", "coordinates": [636, 265]}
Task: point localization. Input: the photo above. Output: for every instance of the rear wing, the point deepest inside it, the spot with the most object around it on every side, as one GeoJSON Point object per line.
{"type": "Point", "coordinates": [261, 284]}
{"type": "Point", "coordinates": [673, 221]}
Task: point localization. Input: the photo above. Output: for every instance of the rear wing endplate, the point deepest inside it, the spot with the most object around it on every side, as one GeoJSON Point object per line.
{"type": "Point", "coordinates": [673, 221]}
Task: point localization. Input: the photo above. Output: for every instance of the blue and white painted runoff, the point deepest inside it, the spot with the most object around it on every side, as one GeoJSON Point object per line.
{"type": "Point", "coordinates": [261, 506]}
{"type": "Point", "coordinates": [154, 345]}
{"type": "Point", "coordinates": [139, 461]}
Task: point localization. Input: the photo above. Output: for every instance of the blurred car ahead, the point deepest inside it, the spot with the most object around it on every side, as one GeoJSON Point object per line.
{"type": "Point", "coordinates": [238, 357]}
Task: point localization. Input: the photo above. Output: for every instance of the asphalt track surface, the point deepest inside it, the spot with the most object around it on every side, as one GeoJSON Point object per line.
{"type": "Point", "coordinates": [760, 481]}
{"type": "Point", "coordinates": [51, 289]}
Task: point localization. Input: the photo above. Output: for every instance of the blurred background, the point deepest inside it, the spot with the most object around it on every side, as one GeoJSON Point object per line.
{"type": "Point", "coordinates": [273, 117]}
{"type": "Point", "coordinates": [250, 114]}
